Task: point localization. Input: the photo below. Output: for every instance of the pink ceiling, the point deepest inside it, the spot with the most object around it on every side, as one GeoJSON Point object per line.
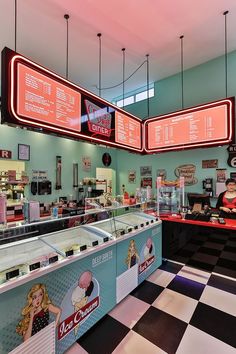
{"type": "Point", "coordinates": [141, 26]}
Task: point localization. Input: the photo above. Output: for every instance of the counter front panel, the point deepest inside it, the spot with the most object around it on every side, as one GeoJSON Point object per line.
{"type": "Point", "coordinates": [76, 296]}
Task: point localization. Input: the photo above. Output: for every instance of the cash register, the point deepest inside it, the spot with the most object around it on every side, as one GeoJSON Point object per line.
{"type": "Point", "coordinates": [199, 207]}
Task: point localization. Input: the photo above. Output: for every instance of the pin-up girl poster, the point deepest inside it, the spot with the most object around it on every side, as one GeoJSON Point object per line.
{"type": "Point", "coordinates": [132, 257]}
{"type": "Point", "coordinates": [36, 312]}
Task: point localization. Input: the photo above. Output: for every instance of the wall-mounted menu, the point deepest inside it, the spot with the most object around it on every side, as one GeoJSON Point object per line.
{"type": "Point", "coordinates": [46, 100]}
{"type": "Point", "coordinates": [127, 130]}
{"type": "Point", "coordinates": [35, 97]}
{"type": "Point", "coordinates": [205, 125]}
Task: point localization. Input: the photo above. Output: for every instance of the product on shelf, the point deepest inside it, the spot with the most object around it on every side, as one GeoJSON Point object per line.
{"type": "Point", "coordinates": [37, 263]}
{"type": "Point", "coordinates": [13, 272]}
{"type": "Point", "coordinates": [76, 247]}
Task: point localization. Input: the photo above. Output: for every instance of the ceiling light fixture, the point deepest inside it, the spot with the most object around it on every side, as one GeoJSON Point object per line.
{"type": "Point", "coordinates": [66, 17]}
{"type": "Point", "coordinates": [99, 35]}
{"type": "Point", "coordinates": [182, 68]}
{"type": "Point", "coordinates": [148, 105]}
{"type": "Point", "coordinates": [15, 23]}
{"type": "Point", "coordinates": [226, 54]}
{"type": "Point", "coordinates": [123, 82]}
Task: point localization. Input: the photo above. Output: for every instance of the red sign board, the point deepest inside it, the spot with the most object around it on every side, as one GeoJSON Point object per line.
{"type": "Point", "coordinates": [67, 325]}
{"type": "Point", "coordinates": [206, 125]}
{"type": "Point", "coordinates": [5, 154]}
{"type": "Point", "coordinates": [34, 96]}
{"type": "Point", "coordinates": [99, 120]}
{"type": "Point", "coordinates": [127, 130]}
{"type": "Point", "coordinates": [43, 99]}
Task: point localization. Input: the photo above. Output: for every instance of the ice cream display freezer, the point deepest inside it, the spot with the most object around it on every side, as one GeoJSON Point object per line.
{"type": "Point", "coordinates": [55, 286]}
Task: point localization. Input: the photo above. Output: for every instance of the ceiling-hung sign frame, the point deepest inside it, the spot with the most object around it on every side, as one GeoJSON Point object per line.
{"type": "Point", "coordinates": [202, 126]}
{"type": "Point", "coordinates": [35, 97]}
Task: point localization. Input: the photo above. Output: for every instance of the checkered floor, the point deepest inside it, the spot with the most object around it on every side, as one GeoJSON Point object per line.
{"type": "Point", "coordinates": [211, 252]}
{"type": "Point", "coordinates": [178, 309]}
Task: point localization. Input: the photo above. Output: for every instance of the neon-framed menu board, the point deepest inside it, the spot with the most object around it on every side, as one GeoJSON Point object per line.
{"type": "Point", "coordinates": [35, 97]}
{"type": "Point", "coordinates": [46, 100]}
{"type": "Point", "coordinates": [202, 126]}
{"type": "Point", "coordinates": [127, 130]}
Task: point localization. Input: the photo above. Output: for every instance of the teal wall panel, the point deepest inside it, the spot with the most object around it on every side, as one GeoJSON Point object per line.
{"type": "Point", "coordinates": [44, 149]}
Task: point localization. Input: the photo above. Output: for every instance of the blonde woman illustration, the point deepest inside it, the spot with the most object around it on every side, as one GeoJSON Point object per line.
{"type": "Point", "coordinates": [132, 257]}
{"type": "Point", "coordinates": [36, 312]}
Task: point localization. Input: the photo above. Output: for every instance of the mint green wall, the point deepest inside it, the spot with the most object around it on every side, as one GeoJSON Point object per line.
{"type": "Point", "coordinates": [44, 149]}
{"type": "Point", "coordinates": [170, 161]}
{"type": "Point", "coordinates": [203, 83]}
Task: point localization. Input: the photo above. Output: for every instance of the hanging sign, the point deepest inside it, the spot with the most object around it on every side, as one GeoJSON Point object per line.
{"type": "Point", "coordinates": [5, 154]}
{"type": "Point", "coordinates": [36, 97]}
{"type": "Point", "coordinates": [232, 155]}
{"type": "Point", "coordinates": [210, 124]}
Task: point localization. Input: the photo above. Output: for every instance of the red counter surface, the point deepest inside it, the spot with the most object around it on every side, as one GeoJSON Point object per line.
{"type": "Point", "coordinates": [230, 224]}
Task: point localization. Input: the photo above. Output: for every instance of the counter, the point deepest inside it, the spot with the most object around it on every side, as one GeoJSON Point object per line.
{"type": "Point", "coordinates": [72, 290]}
{"type": "Point", "coordinates": [229, 225]}
{"type": "Point", "coordinates": [204, 245]}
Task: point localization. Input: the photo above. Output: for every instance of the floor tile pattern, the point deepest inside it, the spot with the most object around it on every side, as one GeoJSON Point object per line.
{"type": "Point", "coordinates": [178, 309]}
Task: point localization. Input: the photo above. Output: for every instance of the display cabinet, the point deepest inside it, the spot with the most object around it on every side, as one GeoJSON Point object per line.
{"type": "Point", "coordinates": [120, 225]}
{"type": "Point", "coordinates": [77, 272]}
{"type": "Point", "coordinates": [22, 257]}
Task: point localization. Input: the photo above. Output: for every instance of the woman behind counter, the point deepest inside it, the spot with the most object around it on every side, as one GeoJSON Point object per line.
{"type": "Point", "coordinates": [226, 202]}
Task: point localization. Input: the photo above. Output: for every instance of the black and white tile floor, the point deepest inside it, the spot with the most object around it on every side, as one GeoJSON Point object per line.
{"type": "Point", "coordinates": [214, 252]}
{"type": "Point", "coordinates": [178, 309]}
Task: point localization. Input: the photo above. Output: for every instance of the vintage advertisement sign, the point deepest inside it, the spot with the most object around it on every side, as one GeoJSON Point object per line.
{"type": "Point", "coordinates": [132, 176]}
{"type": "Point", "coordinates": [188, 172]}
{"type": "Point", "coordinates": [145, 171]}
{"type": "Point", "coordinates": [232, 155]}
{"type": "Point", "coordinates": [5, 154]}
{"type": "Point", "coordinates": [210, 163]}
{"type": "Point", "coordinates": [86, 163]}
{"type": "Point", "coordinates": [146, 182]}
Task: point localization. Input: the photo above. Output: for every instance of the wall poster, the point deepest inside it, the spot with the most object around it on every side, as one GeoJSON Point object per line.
{"type": "Point", "coordinates": [58, 172]}
{"type": "Point", "coordinates": [132, 176]}
{"type": "Point", "coordinates": [210, 163]}
{"type": "Point", "coordinates": [221, 175]}
{"type": "Point", "coordinates": [146, 182]}
{"type": "Point", "coordinates": [188, 172]}
{"type": "Point", "coordinates": [145, 171]}
{"type": "Point", "coordinates": [162, 173]}
{"type": "Point", "coordinates": [86, 163]}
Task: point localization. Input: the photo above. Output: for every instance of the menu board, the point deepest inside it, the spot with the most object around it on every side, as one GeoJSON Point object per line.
{"type": "Point", "coordinates": [38, 98]}
{"type": "Point", "coordinates": [127, 130]}
{"type": "Point", "coordinates": [46, 100]}
{"type": "Point", "coordinates": [208, 125]}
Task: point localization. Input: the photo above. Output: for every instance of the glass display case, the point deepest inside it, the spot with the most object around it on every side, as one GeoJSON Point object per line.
{"type": "Point", "coordinates": [122, 224]}
{"type": "Point", "coordinates": [21, 257]}
{"type": "Point", "coordinates": [27, 247]}
{"type": "Point", "coordinates": [170, 196]}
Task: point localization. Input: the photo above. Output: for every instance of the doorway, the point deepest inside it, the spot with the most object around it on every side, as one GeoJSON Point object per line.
{"type": "Point", "coordinates": [106, 180]}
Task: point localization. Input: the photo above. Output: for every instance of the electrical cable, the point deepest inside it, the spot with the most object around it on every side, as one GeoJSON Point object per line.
{"type": "Point", "coordinates": [121, 83]}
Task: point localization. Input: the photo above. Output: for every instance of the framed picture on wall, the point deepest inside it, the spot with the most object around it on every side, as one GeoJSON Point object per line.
{"type": "Point", "coordinates": [23, 152]}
